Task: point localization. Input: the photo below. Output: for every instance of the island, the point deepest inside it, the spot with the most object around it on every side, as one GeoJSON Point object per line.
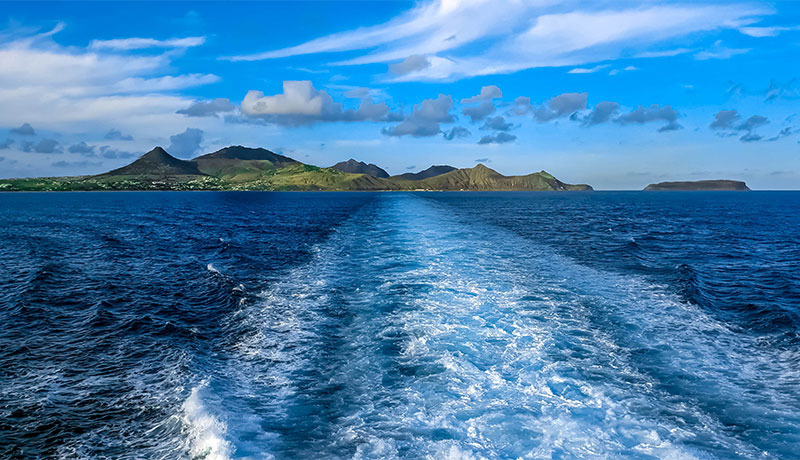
{"type": "Point", "coordinates": [244, 168]}
{"type": "Point", "coordinates": [721, 185]}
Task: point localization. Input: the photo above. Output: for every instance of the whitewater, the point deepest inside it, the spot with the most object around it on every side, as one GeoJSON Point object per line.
{"type": "Point", "coordinates": [415, 334]}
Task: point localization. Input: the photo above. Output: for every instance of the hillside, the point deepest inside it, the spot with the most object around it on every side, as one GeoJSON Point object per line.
{"type": "Point", "coordinates": [700, 185]}
{"type": "Point", "coordinates": [242, 168]}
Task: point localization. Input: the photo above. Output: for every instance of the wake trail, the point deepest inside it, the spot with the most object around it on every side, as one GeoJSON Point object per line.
{"type": "Point", "coordinates": [416, 334]}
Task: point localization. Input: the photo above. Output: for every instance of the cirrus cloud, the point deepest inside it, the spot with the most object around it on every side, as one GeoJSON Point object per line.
{"type": "Point", "coordinates": [465, 38]}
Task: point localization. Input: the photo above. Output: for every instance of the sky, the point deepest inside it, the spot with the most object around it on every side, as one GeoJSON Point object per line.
{"type": "Point", "coordinates": [610, 93]}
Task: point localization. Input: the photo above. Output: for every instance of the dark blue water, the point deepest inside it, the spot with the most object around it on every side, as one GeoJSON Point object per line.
{"type": "Point", "coordinates": [399, 325]}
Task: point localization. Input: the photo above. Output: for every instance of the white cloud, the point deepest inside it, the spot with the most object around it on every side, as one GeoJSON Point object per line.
{"type": "Point", "coordinates": [185, 144]}
{"type": "Point", "coordinates": [74, 89]}
{"type": "Point", "coordinates": [301, 103]}
{"type": "Point", "coordinates": [127, 44]}
{"type": "Point", "coordinates": [208, 108]}
{"type": "Point", "coordinates": [298, 98]}
{"type": "Point", "coordinates": [594, 69]}
{"type": "Point", "coordinates": [413, 63]}
{"type": "Point", "coordinates": [558, 107]}
{"type": "Point", "coordinates": [487, 94]}
{"type": "Point", "coordinates": [718, 51]}
{"type": "Point", "coordinates": [425, 118]}
{"type": "Point", "coordinates": [760, 32]}
{"type": "Point", "coordinates": [520, 35]}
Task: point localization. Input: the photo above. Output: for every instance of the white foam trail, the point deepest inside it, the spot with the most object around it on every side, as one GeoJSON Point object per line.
{"type": "Point", "coordinates": [205, 432]}
{"type": "Point", "coordinates": [503, 350]}
{"type": "Point", "coordinates": [212, 269]}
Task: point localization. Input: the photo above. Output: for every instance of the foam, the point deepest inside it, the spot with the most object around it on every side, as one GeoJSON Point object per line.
{"type": "Point", "coordinates": [205, 432]}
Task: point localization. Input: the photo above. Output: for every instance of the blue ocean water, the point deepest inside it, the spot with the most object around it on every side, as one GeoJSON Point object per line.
{"type": "Point", "coordinates": [400, 325]}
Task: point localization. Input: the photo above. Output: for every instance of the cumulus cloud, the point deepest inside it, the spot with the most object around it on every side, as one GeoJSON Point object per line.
{"type": "Point", "coordinates": [6, 144]}
{"type": "Point", "coordinates": [116, 135]}
{"type": "Point", "coordinates": [24, 130]}
{"type": "Point", "coordinates": [208, 108]}
{"type": "Point", "coordinates": [81, 148]}
{"type": "Point", "coordinates": [788, 131]}
{"type": "Point", "coordinates": [109, 152]}
{"type": "Point", "coordinates": [301, 103]}
{"type": "Point", "coordinates": [752, 123]}
{"type": "Point", "coordinates": [485, 102]}
{"type": "Point", "coordinates": [751, 137]}
{"type": "Point", "coordinates": [654, 113]}
{"type": "Point", "coordinates": [728, 123]}
{"type": "Point", "coordinates": [487, 94]}
{"type": "Point", "coordinates": [425, 118]}
{"type": "Point", "coordinates": [127, 44]}
{"type": "Point", "coordinates": [479, 112]}
{"type": "Point", "coordinates": [464, 38]}
{"type": "Point", "coordinates": [43, 146]}
{"type": "Point", "coordinates": [725, 119]}
{"type": "Point", "coordinates": [185, 144]}
{"type": "Point", "coordinates": [413, 63]}
{"type": "Point", "coordinates": [455, 132]}
{"type": "Point", "coordinates": [602, 113]}
{"type": "Point", "coordinates": [775, 90]}
{"type": "Point", "coordinates": [557, 107]}
{"type": "Point", "coordinates": [499, 138]}
{"type": "Point", "coordinates": [497, 123]}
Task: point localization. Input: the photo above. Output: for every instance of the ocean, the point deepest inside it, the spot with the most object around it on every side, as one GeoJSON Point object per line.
{"type": "Point", "coordinates": [225, 325]}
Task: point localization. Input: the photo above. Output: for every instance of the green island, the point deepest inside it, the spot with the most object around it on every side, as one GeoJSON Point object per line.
{"type": "Point", "coordinates": [242, 168]}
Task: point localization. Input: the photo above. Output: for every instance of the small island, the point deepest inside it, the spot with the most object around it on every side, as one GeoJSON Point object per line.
{"type": "Point", "coordinates": [721, 185]}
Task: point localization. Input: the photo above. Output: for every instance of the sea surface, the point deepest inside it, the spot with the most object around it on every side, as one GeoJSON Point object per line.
{"type": "Point", "coordinates": [228, 325]}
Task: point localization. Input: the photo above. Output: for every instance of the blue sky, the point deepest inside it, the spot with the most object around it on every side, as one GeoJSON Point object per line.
{"type": "Point", "coordinates": [614, 94]}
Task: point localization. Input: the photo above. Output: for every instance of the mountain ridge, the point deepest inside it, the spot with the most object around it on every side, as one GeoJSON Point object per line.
{"type": "Point", "coordinates": [244, 168]}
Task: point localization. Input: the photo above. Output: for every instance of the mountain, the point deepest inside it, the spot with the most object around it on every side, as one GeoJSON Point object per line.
{"type": "Point", "coordinates": [481, 178]}
{"type": "Point", "coordinates": [242, 168]}
{"type": "Point", "coordinates": [433, 171]}
{"type": "Point", "coordinates": [156, 162]}
{"type": "Point", "coordinates": [359, 167]}
{"type": "Point", "coordinates": [700, 185]}
{"type": "Point", "coordinates": [242, 164]}
{"type": "Point", "coordinates": [237, 152]}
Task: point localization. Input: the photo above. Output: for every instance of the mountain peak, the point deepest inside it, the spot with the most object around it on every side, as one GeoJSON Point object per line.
{"type": "Point", "coordinates": [433, 171]}
{"type": "Point", "coordinates": [353, 166]}
{"type": "Point", "coordinates": [157, 162]}
{"type": "Point", "coordinates": [157, 154]}
{"type": "Point", "coordinates": [239, 152]}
